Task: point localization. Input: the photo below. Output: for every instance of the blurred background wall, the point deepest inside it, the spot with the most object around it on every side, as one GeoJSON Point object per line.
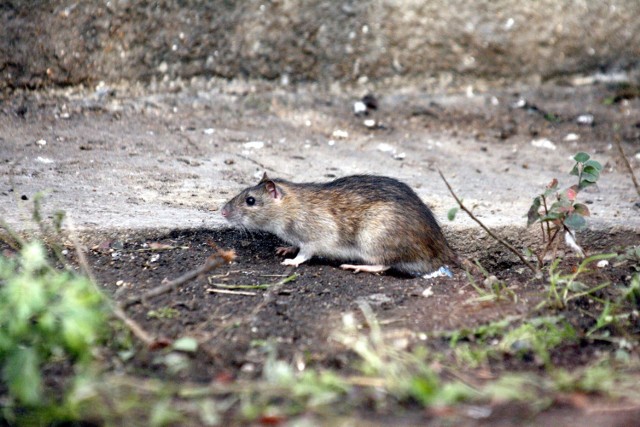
{"type": "Point", "coordinates": [65, 42]}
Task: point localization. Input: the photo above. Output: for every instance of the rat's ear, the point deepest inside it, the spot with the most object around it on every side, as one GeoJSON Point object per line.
{"type": "Point", "coordinates": [265, 178]}
{"type": "Point", "coordinates": [272, 189]}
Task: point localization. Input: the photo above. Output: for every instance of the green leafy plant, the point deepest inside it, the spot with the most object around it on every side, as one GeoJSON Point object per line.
{"type": "Point", "coordinates": [630, 256]}
{"type": "Point", "coordinates": [558, 211]}
{"type": "Point", "coordinates": [46, 316]}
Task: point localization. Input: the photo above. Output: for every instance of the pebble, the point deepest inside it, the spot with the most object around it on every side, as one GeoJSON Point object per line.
{"type": "Point", "coordinates": [359, 107]}
{"type": "Point", "coordinates": [253, 145]}
{"type": "Point", "coordinates": [585, 119]}
{"type": "Point", "coordinates": [572, 137]}
{"type": "Point", "coordinates": [41, 143]}
{"type": "Point", "coordinates": [340, 134]}
{"type": "Point", "coordinates": [490, 281]}
{"type": "Point", "coordinates": [543, 143]}
{"type": "Point", "coordinates": [385, 148]}
{"type": "Point", "coordinates": [520, 103]}
{"type": "Point", "coordinates": [44, 160]}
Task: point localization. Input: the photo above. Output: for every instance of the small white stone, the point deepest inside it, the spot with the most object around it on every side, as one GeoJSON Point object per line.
{"type": "Point", "coordinates": [572, 137]}
{"type": "Point", "coordinates": [369, 123]}
{"type": "Point", "coordinates": [509, 24]}
{"type": "Point", "coordinates": [427, 292]}
{"type": "Point", "coordinates": [469, 91]}
{"type": "Point", "coordinates": [359, 107]}
{"type": "Point", "coordinates": [340, 134]}
{"type": "Point", "coordinates": [253, 145]}
{"type": "Point", "coordinates": [543, 143]}
{"type": "Point", "coordinates": [520, 103]}
{"type": "Point", "coordinates": [585, 119]}
{"type": "Point", "coordinates": [331, 142]}
{"type": "Point", "coordinates": [400, 156]}
{"type": "Point", "coordinates": [385, 148]}
{"type": "Point", "coordinates": [41, 143]}
{"type": "Point", "coordinates": [209, 131]}
{"type": "Point", "coordinates": [603, 263]}
{"type": "Point", "coordinates": [44, 160]}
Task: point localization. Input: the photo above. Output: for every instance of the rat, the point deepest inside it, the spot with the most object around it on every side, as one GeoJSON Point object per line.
{"type": "Point", "coordinates": [377, 221]}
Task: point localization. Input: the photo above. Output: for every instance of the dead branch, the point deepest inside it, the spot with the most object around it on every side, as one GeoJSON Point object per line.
{"type": "Point", "coordinates": [133, 326]}
{"type": "Point", "coordinates": [214, 261]}
{"type": "Point", "coordinates": [498, 239]}
{"type": "Point", "coordinates": [626, 162]}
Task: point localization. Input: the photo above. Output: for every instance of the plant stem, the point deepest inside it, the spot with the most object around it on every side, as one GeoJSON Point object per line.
{"type": "Point", "coordinates": [498, 239]}
{"type": "Point", "coordinates": [548, 246]}
{"type": "Point", "coordinates": [546, 212]}
{"type": "Point", "coordinates": [627, 164]}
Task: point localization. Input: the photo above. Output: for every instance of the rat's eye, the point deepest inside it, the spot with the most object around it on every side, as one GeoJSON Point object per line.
{"type": "Point", "coordinates": [250, 201]}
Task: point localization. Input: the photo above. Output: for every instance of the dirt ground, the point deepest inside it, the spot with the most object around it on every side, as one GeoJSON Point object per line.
{"type": "Point", "coordinates": [143, 171]}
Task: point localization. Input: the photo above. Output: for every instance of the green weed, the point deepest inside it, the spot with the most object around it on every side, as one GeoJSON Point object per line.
{"type": "Point", "coordinates": [47, 316]}
{"type": "Point", "coordinates": [559, 212]}
{"type": "Point", "coordinates": [565, 287]}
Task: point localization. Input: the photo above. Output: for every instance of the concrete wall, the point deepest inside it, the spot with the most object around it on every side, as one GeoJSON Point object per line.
{"type": "Point", "coordinates": [62, 42]}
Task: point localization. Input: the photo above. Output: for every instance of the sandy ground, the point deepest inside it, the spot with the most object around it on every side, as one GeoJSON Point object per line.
{"type": "Point", "coordinates": [126, 159]}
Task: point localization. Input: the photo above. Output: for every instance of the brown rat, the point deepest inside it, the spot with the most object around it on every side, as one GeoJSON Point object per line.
{"type": "Point", "coordinates": [376, 220]}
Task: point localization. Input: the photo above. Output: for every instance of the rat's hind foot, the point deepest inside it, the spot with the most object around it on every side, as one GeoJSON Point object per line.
{"type": "Point", "coordinates": [286, 250]}
{"type": "Point", "coordinates": [366, 268]}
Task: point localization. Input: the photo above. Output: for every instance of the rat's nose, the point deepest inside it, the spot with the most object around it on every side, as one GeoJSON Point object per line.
{"type": "Point", "coordinates": [225, 212]}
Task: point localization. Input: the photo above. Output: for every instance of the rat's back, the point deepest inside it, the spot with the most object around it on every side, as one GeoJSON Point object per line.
{"type": "Point", "coordinates": [386, 221]}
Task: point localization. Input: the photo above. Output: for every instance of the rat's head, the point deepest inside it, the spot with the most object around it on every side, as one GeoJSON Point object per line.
{"type": "Point", "coordinates": [256, 207]}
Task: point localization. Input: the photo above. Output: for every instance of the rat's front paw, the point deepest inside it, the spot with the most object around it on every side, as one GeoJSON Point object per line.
{"type": "Point", "coordinates": [295, 261]}
{"type": "Point", "coordinates": [290, 261]}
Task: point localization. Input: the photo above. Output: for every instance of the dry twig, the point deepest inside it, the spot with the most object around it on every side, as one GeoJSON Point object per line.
{"type": "Point", "coordinates": [214, 261]}
{"type": "Point", "coordinates": [626, 162]}
{"type": "Point", "coordinates": [498, 239]}
{"type": "Point", "coordinates": [230, 292]}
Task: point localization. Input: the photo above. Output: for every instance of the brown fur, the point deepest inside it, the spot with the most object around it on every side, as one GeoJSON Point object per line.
{"type": "Point", "coordinates": [371, 219]}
